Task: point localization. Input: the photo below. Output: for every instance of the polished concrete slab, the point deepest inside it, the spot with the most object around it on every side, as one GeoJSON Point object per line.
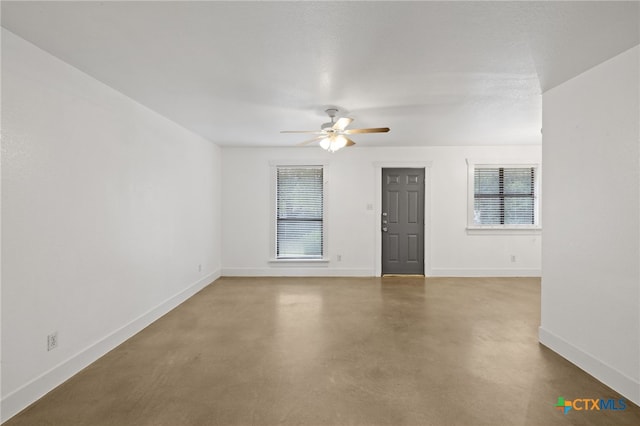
{"type": "Point", "coordinates": [336, 351]}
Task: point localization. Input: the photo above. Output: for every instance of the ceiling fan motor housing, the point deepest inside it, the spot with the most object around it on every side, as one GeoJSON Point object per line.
{"type": "Point", "coordinates": [331, 112]}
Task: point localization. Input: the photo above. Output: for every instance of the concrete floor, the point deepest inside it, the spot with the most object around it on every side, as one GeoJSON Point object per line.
{"type": "Point", "coordinates": [335, 351]}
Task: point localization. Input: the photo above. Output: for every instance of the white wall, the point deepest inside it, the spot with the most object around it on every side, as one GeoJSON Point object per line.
{"type": "Point", "coordinates": [591, 249]}
{"type": "Point", "coordinates": [247, 215]}
{"type": "Point", "coordinates": [107, 211]}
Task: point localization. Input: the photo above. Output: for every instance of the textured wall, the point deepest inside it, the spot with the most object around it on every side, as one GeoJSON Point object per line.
{"type": "Point", "coordinates": [353, 229]}
{"type": "Point", "coordinates": [591, 246]}
{"type": "Point", "coordinates": [110, 215]}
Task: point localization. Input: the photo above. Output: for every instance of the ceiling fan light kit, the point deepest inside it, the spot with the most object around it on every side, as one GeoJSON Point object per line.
{"type": "Point", "coordinates": [333, 143]}
{"type": "Point", "coordinates": [332, 134]}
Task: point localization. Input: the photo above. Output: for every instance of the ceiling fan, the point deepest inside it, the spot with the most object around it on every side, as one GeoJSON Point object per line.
{"type": "Point", "coordinates": [332, 135]}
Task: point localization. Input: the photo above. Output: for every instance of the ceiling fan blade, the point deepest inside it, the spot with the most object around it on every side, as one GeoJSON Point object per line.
{"type": "Point", "coordinates": [313, 132]}
{"type": "Point", "coordinates": [310, 141]}
{"type": "Point", "coordinates": [342, 123]}
{"type": "Point", "coordinates": [349, 142]}
{"type": "Point", "coordinates": [372, 130]}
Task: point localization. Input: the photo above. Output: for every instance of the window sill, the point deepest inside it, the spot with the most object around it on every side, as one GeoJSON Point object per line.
{"type": "Point", "coordinates": [498, 230]}
{"type": "Point", "coordinates": [300, 261]}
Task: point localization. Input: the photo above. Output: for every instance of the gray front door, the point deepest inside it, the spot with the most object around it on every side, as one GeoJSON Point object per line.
{"type": "Point", "coordinates": [402, 221]}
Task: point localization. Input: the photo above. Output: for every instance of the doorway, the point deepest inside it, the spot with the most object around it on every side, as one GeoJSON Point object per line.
{"type": "Point", "coordinates": [402, 221]}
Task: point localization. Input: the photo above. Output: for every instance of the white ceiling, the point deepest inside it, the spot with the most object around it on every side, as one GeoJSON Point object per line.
{"type": "Point", "coordinates": [436, 73]}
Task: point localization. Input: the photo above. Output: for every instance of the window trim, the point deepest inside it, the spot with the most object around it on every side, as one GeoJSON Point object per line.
{"type": "Point", "coordinates": [474, 229]}
{"type": "Point", "coordinates": [273, 169]}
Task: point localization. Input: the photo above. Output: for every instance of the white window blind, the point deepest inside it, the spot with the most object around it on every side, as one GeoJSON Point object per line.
{"type": "Point", "coordinates": [504, 196]}
{"type": "Point", "coordinates": [299, 217]}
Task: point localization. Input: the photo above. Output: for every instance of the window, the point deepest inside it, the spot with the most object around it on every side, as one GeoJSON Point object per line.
{"type": "Point", "coordinates": [503, 197]}
{"type": "Point", "coordinates": [299, 212]}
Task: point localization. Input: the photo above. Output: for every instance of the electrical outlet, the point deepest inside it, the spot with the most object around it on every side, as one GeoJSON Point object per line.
{"type": "Point", "coordinates": [339, 258]}
{"type": "Point", "coordinates": [513, 258]}
{"type": "Point", "coordinates": [199, 267]}
{"type": "Point", "coordinates": [52, 341]}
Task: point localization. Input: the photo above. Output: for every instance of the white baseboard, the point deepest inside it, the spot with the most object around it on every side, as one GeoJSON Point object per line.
{"type": "Point", "coordinates": [618, 381]}
{"type": "Point", "coordinates": [292, 271]}
{"type": "Point", "coordinates": [30, 392]}
{"type": "Point", "coordinates": [438, 272]}
{"type": "Point", "coordinates": [296, 271]}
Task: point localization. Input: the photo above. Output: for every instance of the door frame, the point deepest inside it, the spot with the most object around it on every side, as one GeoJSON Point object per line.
{"type": "Point", "coordinates": [378, 166]}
